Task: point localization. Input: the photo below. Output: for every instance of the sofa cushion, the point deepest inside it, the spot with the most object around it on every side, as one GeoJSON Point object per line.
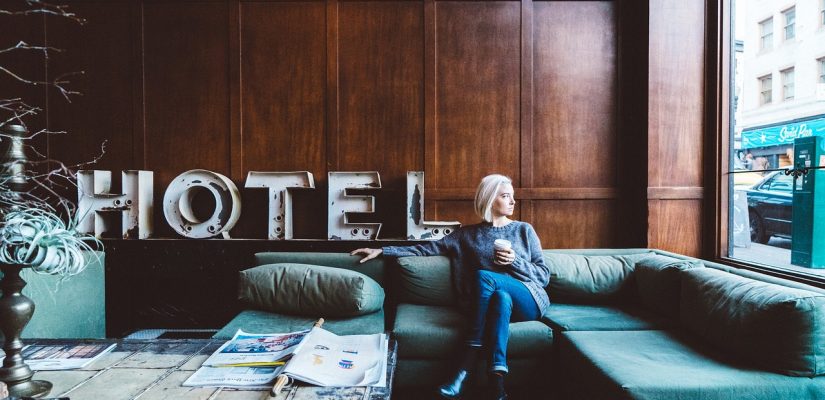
{"type": "Point", "coordinates": [434, 332]}
{"type": "Point", "coordinates": [373, 268]}
{"type": "Point", "coordinates": [775, 327]}
{"type": "Point", "coordinates": [311, 290]}
{"type": "Point", "coordinates": [425, 280]}
{"type": "Point", "coordinates": [254, 321]}
{"type": "Point", "coordinates": [658, 283]}
{"type": "Point", "coordinates": [585, 317]}
{"type": "Point", "coordinates": [578, 278]}
{"type": "Point", "coordinates": [667, 365]}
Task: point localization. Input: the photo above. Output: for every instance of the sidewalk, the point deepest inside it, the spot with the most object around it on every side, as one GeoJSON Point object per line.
{"type": "Point", "coordinates": [776, 253]}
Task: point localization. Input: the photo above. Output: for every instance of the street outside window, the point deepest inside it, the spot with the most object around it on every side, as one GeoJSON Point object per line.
{"type": "Point", "coordinates": [772, 143]}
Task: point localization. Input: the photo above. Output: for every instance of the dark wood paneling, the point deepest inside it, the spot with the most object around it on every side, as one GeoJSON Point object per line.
{"type": "Point", "coordinates": [29, 65]}
{"type": "Point", "coordinates": [675, 124]}
{"type": "Point", "coordinates": [186, 89]}
{"type": "Point", "coordinates": [631, 122]}
{"type": "Point", "coordinates": [477, 93]}
{"type": "Point", "coordinates": [104, 112]}
{"type": "Point", "coordinates": [574, 94]}
{"type": "Point", "coordinates": [381, 90]}
{"type": "Point", "coordinates": [457, 210]}
{"type": "Point", "coordinates": [676, 225]}
{"type": "Point", "coordinates": [563, 224]}
{"type": "Point", "coordinates": [283, 72]}
{"type": "Point", "coordinates": [676, 79]}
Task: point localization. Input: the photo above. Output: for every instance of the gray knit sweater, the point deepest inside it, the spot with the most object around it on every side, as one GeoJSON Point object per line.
{"type": "Point", "coordinates": [470, 248]}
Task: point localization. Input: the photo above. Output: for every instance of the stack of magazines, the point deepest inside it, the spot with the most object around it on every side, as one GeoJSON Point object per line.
{"type": "Point", "coordinates": [316, 356]}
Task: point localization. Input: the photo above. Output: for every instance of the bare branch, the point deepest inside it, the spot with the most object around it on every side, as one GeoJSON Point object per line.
{"type": "Point", "coordinates": [25, 46]}
{"type": "Point", "coordinates": [46, 9]}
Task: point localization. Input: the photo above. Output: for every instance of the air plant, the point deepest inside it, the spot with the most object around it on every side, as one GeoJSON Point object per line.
{"type": "Point", "coordinates": [41, 240]}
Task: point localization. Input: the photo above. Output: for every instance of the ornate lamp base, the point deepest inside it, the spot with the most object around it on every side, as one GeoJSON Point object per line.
{"type": "Point", "coordinates": [30, 388]}
{"type": "Point", "coordinates": [15, 312]}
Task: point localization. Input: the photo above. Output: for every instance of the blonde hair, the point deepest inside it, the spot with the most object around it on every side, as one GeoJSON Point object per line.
{"type": "Point", "coordinates": [486, 193]}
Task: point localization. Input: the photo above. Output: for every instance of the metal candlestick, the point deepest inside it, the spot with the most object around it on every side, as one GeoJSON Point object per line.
{"type": "Point", "coordinates": [15, 312]}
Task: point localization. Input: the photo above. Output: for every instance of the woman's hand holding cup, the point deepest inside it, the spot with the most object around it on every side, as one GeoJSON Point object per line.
{"type": "Point", "coordinates": [504, 254]}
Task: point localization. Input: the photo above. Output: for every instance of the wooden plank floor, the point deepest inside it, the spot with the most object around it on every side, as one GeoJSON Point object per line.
{"type": "Point", "coordinates": [155, 370]}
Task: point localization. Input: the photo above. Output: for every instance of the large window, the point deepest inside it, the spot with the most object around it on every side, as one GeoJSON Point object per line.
{"type": "Point", "coordinates": [771, 209]}
{"type": "Point", "coordinates": [790, 22]}
{"type": "Point", "coordinates": [787, 84]}
{"type": "Point", "coordinates": [766, 34]}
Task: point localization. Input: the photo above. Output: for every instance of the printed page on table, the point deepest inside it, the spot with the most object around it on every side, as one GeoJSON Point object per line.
{"type": "Point", "coordinates": [326, 359]}
{"type": "Point", "coordinates": [254, 349]}
{"type": "Point", "coordinates": [60, 356]}
{"type": "Point", "coordinates": [237, 377]}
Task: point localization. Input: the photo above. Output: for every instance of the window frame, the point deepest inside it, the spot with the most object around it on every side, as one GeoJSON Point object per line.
{"type": "Point", "coordinates": [717, 160]}
{"type": "Point", "coordinates": [821, 67]}
{"type": "Point", "coordinates": [789, 26]}
{"type": "Point", "coordinates": [762, 90]}
{"type": "Point", "coordinates": [788, 86]}
{"type": "Point", "coordinates": [822, 13]}
{"type": "Point", "coordinates": [766, 39]}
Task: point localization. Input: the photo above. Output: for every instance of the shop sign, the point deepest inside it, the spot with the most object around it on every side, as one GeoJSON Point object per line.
{"type": "Point", "coordinates": [776, 135]}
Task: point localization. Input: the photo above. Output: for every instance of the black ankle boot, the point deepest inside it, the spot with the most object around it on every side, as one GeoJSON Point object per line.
{"type": "Point", "coordinates": [454, 388]}
{"type": "Point", "coordinates": [497, 386]}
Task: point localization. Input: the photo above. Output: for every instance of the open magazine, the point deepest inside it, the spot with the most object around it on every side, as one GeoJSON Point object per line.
{"type": "Point", "coordinates": [316, 356]}
{"type": "Point", "coordinates": [60, 356]}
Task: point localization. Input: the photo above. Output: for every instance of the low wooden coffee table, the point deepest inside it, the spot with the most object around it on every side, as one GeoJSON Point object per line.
{"type": "Point", "coordinates": [155, 369]}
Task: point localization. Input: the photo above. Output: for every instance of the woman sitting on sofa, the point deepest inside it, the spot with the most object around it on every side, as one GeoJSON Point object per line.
{"type": "Point", "coordinates": [496, 286]}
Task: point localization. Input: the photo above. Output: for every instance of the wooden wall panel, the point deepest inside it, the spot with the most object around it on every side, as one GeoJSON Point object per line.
{"type": "Point", "coordinates": [574, 224]}
{"type": "Point", "coordinates": [676, 79]}
{"type": "Point", "coordinates": [103, 113]}
{"type": "Point", "coordinates": [574, 93]}
{"type": "Point", "coordinates": [380, 89]}
{"type": "Point", "coordinates": [676, 225]}
{"type": "Point", "coordinates": [462, 211]}
{"type": "Point", "coordinates": [186, 88]}
{"type": "Point", "coordinates": [283, 87]}
{"type": "Point", "coordinates": [477, 93]}
{"type": "Point", "coordinates": [675, 125]}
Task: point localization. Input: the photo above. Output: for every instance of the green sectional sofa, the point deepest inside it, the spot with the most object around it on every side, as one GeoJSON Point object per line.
{"type": "Point", "coordinates": [623, 323]}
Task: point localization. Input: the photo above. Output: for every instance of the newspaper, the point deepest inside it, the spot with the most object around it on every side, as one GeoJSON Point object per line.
{"type": "Point", "coordinates": [255, 350]}
{"type": "Point", "coordinates": [60, 356]}
{"type": "Point", "coordinates": [316, 356]}
{"type": "Point", "coordinates": [326, 359]}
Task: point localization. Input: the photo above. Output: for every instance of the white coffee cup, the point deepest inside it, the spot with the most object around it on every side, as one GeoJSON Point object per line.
{"type": "Point", "coordinates": [501, 244]}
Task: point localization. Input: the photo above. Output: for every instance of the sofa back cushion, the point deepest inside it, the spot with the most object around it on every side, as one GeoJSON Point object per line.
{"type": "Point", "coordinates": [425, 280]}
{"type": "Point", "coordinates": [373, 268]}
{"type": "Point", "coordinates": [576, 278]}
{"type": "Point", "coordinates": [658, 282]}
{"type": "Point", "coordinates": [310, 290]}
{"type": "Point", "coordinates": [776, 327]}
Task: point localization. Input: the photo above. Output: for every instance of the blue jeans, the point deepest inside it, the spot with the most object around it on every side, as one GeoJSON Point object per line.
{"type": "Point", "coordinates": [501, 299]}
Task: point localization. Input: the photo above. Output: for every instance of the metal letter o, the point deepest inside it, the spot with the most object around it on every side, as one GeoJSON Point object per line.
{"type": "Point", "coordinates": [177, 204]}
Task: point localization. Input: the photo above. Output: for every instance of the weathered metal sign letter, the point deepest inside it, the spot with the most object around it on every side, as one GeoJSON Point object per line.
{"type": "Point", "coordinates": [183, 218]}
{"type": "Point", "coordinates": [417, 228]}
{"type": "Point", "coordinates": [340, 204]}
{"type": "Point", "coordinates": [134, 205]}
{"type": "Point", "coordinates": [280, 201]}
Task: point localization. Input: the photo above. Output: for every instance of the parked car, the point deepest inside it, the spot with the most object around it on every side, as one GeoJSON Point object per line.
{"type": "Point", "coordinates": [744, 178]}
{"type": "Point", "coordinates": [770, 207]}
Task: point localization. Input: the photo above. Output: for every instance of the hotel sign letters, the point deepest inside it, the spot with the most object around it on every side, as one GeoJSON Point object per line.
{"type": "Point", "coordinates": [134, 206]}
